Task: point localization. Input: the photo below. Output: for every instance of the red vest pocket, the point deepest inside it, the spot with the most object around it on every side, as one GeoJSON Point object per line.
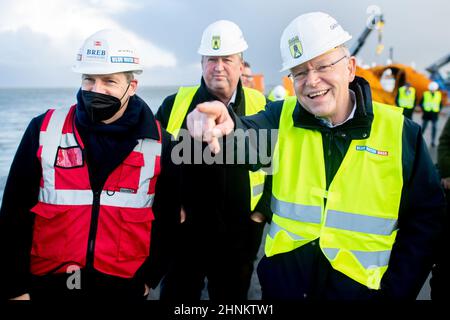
{"type": "Point", "coordinates": [125, 178]}
{"type": "Point", "coordinates": [60, 235]}
{"type": "Point", "coordinates": [135, 233]}
{"type": "Point", "coordinates": [49, 231]}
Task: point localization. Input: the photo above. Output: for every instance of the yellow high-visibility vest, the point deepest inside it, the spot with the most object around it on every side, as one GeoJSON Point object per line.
{"type": "Point", "coordinates": [254, 102]}
{"type": "Point", "coordinates": [358, 225]}
{"type": "Point", "coordinates": [432, 102]}
{"type": "Point", "coordinates": [406, 100]}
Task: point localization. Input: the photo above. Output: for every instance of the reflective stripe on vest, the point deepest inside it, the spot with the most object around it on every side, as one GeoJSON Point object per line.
{"type": "Point", "coordinates": [367, 259]}
{"type": "Point", "coordinates": [296, 211]}
{"type": "Point", "coordinates": [432, 102]}
{"type": "Point", "coordinates": [358, 226]}
{"type": "Point", "coordinates": [406, 100]}
{"type": "Point", "coordinates": [360, 223]}
{"type": "Point", "coordinates": [63, 213]}
{"type": "Point", "coordinates": [254, 102]}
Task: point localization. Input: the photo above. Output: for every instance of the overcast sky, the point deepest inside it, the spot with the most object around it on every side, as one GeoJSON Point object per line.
{"type": "Point", "coordinates": [39, 39]}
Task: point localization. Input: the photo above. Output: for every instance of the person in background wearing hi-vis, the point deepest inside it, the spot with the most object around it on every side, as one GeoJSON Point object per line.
{"type": "Point", "coordinates": [247, 76]}
{"type": "Point", "coordinates": [431, 104]}
{"type": "Point", "coordinates": [224, 223]}
{"type": "Point", "coordinates": [406, 99]}
{"type": "Point", "coordinates": [91, 197]}
{"type": "Point", "coordinates": [357, 204]}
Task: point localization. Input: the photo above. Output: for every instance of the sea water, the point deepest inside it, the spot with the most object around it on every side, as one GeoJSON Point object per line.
{"type": "Point", "coordinates": [19, 106]}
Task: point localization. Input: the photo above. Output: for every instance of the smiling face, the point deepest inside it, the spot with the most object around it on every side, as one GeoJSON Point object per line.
{"type": "Point", "coordinates": [221, 74]}
{"type": "Point", "coordinates": [322, 84]}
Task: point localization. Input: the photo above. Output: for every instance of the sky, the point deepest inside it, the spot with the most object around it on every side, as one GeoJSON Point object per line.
{"type": "Point", "coordinates": [39, 39]}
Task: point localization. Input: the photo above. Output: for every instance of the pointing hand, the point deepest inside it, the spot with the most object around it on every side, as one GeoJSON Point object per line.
{"type": "Point", "coordinates": [208, 122]}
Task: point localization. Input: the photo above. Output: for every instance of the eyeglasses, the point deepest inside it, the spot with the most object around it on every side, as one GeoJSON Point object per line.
{"type": "Point", "coordinates": [247, 76]}
{"type": "Point", "coordinates": [324, 69]}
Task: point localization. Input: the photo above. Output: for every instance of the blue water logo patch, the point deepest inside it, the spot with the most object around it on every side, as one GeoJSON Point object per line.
{"type": "Point", "coordinates": [372, 150]}
{"type": "Point", "coordinates": [124, 60]}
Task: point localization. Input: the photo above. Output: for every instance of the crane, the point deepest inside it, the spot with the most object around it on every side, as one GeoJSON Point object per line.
{"type": "Point", "coordinates": [377, 22]}
{"type": "Point", "coordinates": [435, 75]}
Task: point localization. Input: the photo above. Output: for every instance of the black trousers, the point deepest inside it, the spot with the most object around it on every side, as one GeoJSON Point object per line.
{"type": "Point", "coordinates": [224, 259]}
{"type": "Point", "coordinates": [93, 286]}
{"type": "Point", "coordinates": [440, 280]}
{"type": "Point", "coordinates": [433, 128]}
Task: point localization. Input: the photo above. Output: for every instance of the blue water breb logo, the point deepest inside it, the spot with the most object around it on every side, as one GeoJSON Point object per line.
{"type": "Point", "coordinates": [372, 150]}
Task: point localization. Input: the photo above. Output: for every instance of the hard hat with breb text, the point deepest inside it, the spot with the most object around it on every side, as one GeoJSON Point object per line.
{"type": "Point", "coordinates": [105, 52]}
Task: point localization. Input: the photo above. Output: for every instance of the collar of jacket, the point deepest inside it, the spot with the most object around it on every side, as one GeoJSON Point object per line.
{"type": "Point", "coordinates": [357, 128]}
{"type": "Point", "coordinates": [138, 121]}
{"type": "Point", "coordinates": [205, 95]}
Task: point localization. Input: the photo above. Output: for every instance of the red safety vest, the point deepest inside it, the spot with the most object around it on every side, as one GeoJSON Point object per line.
{"type": "Point", "coordinates": [123, 209]}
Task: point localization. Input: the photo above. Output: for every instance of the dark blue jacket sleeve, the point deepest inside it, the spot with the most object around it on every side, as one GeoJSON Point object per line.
{"type": "Point", "coordinates": [16, 220]}
{"type": "Point", "coordinates": [258, 133]}
{"type": "Point", "coordinates": [420, 220]}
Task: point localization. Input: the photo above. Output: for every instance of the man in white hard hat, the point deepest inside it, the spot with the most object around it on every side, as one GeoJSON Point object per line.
{"type": "Point", "coordinates": [85, 195]}
{"type": "Point", "coordinates": [431, 105]}
{"type": "Point", "coordinates": [356, 201]}
{"type": "Point", "coordinates": [219, 240]}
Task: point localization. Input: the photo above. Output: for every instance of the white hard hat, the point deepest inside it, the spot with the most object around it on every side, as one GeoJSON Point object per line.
{"type": "Point", "coordinates": [222, 38]}
{"type": "Point", "coordinates": [279, 93]}
{"type": "Point", "coordinates": [433, 86]}
{"type": "Point", "coordinates": [308, 36]}
{"type": "Point", "coordinates": [105, 52]}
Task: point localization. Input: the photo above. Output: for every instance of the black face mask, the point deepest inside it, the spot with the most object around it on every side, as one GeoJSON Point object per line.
{"type": "Point", "coordinates": [101, 106]}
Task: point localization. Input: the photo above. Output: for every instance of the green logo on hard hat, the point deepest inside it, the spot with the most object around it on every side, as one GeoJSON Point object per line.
{"type": "Point", "coordinates": [216, 42]}
{"type": "Point", "coordinates": [295, 47]}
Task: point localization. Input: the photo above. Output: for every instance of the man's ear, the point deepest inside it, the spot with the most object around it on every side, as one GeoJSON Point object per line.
{"type": "Point", "coordinates": [351, 68]}
{"type": "Point", "coordinates": [133, 87]}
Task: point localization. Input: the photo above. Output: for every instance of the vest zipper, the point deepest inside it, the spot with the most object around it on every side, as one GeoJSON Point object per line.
{"type": "Point", "coordinates": [93, 230]}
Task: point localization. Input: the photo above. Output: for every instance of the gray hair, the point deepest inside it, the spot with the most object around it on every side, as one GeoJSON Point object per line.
{"type": "Point", "coordinates": [129, 75]}
{"type": "Point", "coordinates": [240, 54]}
{"type": "Point", "coordinates": [345, 49]}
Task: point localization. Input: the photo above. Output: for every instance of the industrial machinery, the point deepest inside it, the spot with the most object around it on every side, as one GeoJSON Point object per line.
{"type": "Point", "coordinates": [375, 23]}
{"type": "Point", "coordinates": [435, 75]}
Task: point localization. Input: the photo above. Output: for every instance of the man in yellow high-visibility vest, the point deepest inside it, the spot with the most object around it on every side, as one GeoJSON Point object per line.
{"type": "Point", "coordinates": [223, 229]}
{"type": "Point", "coordinates": [357, 204]}
{"type": "Point", "coordinates": [431, 106]}
{"type": "Point", "coordinates": [406, 99]}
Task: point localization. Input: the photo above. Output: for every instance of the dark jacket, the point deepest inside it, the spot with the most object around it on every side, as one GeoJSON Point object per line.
{"type": "Point", "coordinates": [222, 206]}
{"type": "Point", "coordinates": [443, 154]}
{"type": "Point", "coordinates": [106, 147]}
{"type": "Point", "coordinates": [440, 280]}
{"type": "Point", "coordinates": [421, 208]}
